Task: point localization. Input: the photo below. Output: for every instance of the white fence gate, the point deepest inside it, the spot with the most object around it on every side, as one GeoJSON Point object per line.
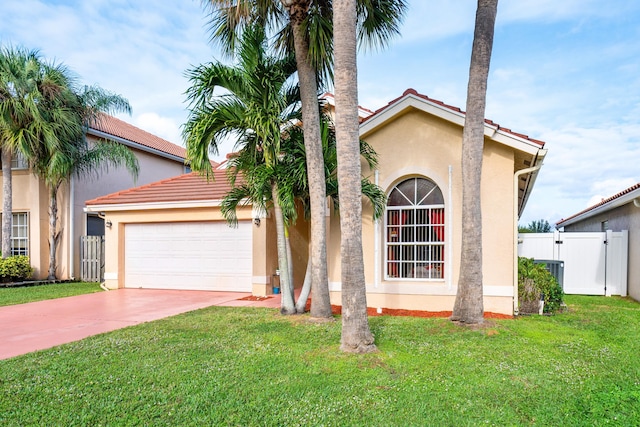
{"type": "Point", "coordinates": [594, 263]}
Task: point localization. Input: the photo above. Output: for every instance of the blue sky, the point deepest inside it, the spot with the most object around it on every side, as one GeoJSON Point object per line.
{"type": "Point", "coordinates": [566, 72]}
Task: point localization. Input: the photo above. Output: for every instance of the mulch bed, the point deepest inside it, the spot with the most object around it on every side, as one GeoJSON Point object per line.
{"type": "Point", "coordinates": [254, 298]}
{"type": "Point", "coordinates": [337, 310]}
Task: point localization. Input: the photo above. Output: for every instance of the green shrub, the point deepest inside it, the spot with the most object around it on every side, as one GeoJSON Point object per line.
{"type": "Point", "coordinates": [536, 282]}
{"type": "Point", "coordinates": [15, 268]}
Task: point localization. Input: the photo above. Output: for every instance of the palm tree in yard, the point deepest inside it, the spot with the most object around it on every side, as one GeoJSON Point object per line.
{"type": "Point", "coordinates": [356, 335]}
{"type": "Point", "coordinates": [468, 307]}
{"type": "Point", "coordinates": [76, 157]}
{"type": "Point", "coordinates": [33, 95]}
{"type": "Point", "coordinates": [292, 180]}
{"type": "Point", "coordinates": [259, 102]}
{"type": "Point", "coordinates": [305, 28]}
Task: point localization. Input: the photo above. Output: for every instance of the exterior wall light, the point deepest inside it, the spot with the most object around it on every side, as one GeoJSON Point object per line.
{"type": "Point", "coordinates": [108, 223]}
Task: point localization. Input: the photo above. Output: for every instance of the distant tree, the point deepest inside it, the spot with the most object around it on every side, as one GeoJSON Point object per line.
{"type": "Point", "coordinates": [539, 226]}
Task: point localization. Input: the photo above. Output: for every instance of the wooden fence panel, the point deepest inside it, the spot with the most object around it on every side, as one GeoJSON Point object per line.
{"type": "Point", "coordinates": [92, 258]}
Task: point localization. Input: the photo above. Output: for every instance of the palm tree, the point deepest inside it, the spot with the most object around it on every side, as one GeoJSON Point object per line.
{"type": "Point", "coordinates": [293, 184]}
{"type": "Point", "coordinates": [259, 103]}
{"type": "Point", "coordinates": [297, 171]}
{"type": "Point", "coordinates": [33, 95]}
{"type": "Point", "coordinates": [468, 307]}
{"type": "Point", "coordinates": [55, 165]}
{"type": "Point", "coordinates": [356, 335]}
{"type": "Point", "coordinates": [305, 28]}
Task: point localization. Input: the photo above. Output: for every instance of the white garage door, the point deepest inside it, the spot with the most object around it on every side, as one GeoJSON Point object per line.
{"type": "Point", "coordinates": [189, 255]}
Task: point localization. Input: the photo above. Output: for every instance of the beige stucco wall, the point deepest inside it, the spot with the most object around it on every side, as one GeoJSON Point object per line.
{"type": "Point", "coordinates": [418, 144]}
{"type": "Point", "coordinates": [30, 196]}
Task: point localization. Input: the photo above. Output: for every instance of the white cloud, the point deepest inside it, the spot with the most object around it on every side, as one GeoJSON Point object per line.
{"type": "Point", "coordinates": [164, 127]}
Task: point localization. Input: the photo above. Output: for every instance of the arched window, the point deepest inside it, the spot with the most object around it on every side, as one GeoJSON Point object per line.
{"type": "Point", "coordinates": [414, 231]}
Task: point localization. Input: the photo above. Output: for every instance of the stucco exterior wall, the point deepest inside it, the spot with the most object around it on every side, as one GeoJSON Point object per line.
{"type": "Point", "coordinates": [30, 196]}
{"type": "Point", "coordinates": [416, 144]}
{"type": "Point", "coordinates": [626, 217]}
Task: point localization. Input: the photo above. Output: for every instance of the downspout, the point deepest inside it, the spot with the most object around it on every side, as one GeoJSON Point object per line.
{"type": "Point", "coordinates": [72, 239]}
{"type": "Point", "coordinates": [636, 202]}
{"type": "Point", "coordinates": [516, 177]}
{"type": "Point", "coordinates": [376, 241]}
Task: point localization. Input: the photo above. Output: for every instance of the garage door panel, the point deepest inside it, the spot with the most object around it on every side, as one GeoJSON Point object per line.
{"type": "Point", "coordinates": [200, 255]}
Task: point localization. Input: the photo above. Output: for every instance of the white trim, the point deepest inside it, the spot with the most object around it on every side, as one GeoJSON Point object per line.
{"type": "Point", "coordinates": [413, 101]}
{"type": "Point", "coordinates": [425, 288]}
{"type": "Point", "coordinates": [449, 231]}
{"type": "Point", "coordinates": [152, 205]}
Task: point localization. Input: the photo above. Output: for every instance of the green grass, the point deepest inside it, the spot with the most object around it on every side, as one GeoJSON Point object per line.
{"type": "Point", "coordinates": [253, 367]}
{"type": "Point", "coordinates": [23, 294]}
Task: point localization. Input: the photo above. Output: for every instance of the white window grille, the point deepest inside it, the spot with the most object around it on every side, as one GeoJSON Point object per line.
{"type": "Point", "coordinates": [20, 234]}
{"type": "Point", "coordinates": [414, 231]}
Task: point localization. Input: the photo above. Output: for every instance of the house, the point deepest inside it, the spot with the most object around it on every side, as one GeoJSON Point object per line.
{"type": "Point", "coordinates": [170, 234]}
{"type": "Point", "coordinates": [157, 158]}
{"type": "Point", "coordinates": [616, 213]}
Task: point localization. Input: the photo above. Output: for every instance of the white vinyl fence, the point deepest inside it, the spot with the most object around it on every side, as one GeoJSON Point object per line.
{"type": "Point", "coordinates": [594, 263]}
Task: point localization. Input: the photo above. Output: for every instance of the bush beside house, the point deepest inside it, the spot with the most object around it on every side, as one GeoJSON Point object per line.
{"type": "Point", "coordinates": [535, 284]}
{"type": "Point", "coordinates": [15, 268]}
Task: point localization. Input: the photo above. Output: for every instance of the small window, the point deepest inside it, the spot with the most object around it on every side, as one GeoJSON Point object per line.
{"type": "Point", "coordinates": [19, 234]}
{"type": "Point", "coordinates": [95, 225]}
{"type": "Point", "coordinates": [18, 162]}
{"type": "Point", "coordinates": [604, 225]}
{"type": "Point", "coordinates": [414, 231]}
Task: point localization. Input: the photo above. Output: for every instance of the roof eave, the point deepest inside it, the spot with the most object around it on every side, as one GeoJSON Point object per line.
{"type": "Point", "coordinates": [538, 161]}
{"type": "Point", "coordinates": [141, 206]}
{"type": "Point", "coordinates": [411, 101]}
{"type": "Point", "coordinates": [615, 203]}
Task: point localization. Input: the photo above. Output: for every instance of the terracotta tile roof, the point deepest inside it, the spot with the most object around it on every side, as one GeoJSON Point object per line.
{"type": "Point", "coordinates": [452, 108]}
{"type": "Point", "coordinates": [601, 203]}
{"type": "Point", "coordinates": [124, 130]}
{"type": "Point", "coordinates": [183, 188]}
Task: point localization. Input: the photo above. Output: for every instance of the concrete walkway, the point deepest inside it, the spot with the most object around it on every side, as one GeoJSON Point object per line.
{"type": "Point", "coordinates": [39, 325]}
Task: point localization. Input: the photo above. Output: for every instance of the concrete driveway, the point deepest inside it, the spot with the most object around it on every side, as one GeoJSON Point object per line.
{"type": "Point", "coordinates": [39, 325]}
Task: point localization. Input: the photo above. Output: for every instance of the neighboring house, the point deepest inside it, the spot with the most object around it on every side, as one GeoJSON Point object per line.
{"type": "Point", "coordinates": [157, 158]}
{"type": "Point", "coordinates": [170, 234]}
{"type": "Point", "coordinates": [616, 213]}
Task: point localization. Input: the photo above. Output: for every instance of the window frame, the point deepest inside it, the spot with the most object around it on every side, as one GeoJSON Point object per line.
{"type": "Point", "coordinates": [22, 250]}
{"type": "Point", "coordinates": [426, 248]}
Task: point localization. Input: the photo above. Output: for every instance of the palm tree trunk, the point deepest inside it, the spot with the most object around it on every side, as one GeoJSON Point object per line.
{"type": "Point", "coordinates": [54, 235]}
{"type": "Point", "coordinates": [356, 335]}
{"type": "Point", "coordinates": [320, 300]}
{"type": "Point", "coordinates": [468, 307]}
{"type": "Point", "coordinates": [7, 205]}
{"type": "Point", "coordinates": [287, 305]}
{"type": "Point", "coordinates": [287, 241]}
{"type": "Point", "coordinates": [301, 303]}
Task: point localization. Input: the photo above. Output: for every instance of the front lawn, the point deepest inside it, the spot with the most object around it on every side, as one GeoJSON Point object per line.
{"type": "Point", "coordinates": [23, 294]}
{"type": "Point", "coordinates": [253, 367]}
